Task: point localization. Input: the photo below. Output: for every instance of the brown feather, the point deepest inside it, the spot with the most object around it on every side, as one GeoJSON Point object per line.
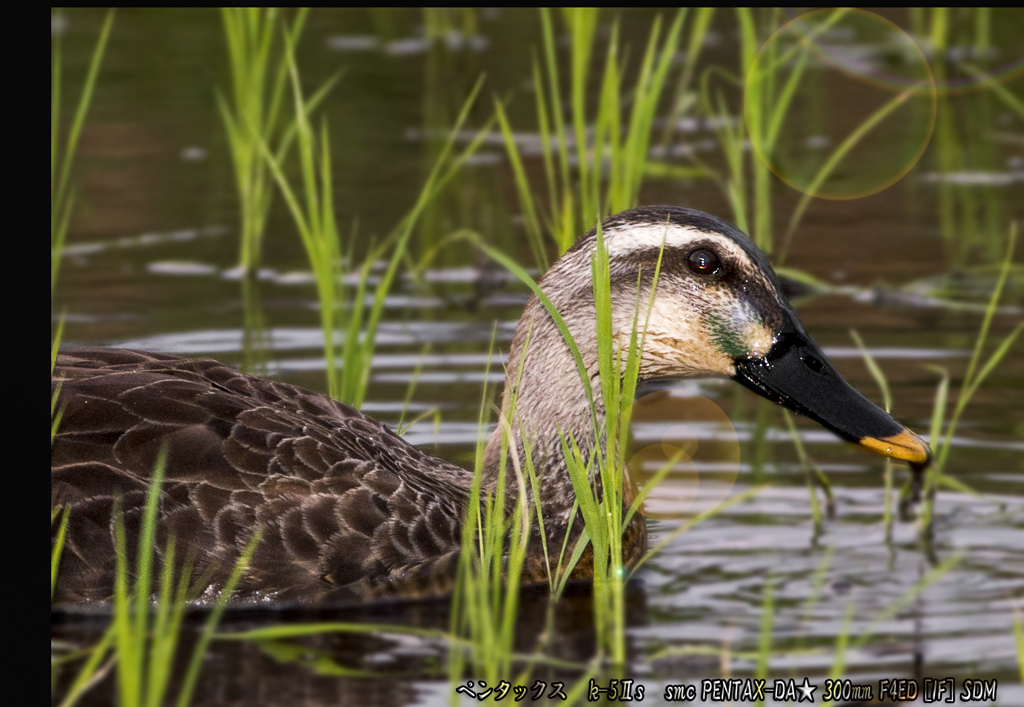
{"type": "Point", "coordinates": [336, 495]}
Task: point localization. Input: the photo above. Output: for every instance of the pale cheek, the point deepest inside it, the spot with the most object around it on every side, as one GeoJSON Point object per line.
{"type": "Point", "coordinates": [674, 345]}
{"type": "Point", "coordinates": [679, 358]}
{"type": "Point", "coordinates": [677, 343]}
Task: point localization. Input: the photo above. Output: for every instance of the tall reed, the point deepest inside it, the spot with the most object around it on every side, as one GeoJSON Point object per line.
{"type": "Point", "coordinates": [972, 217]}
{"type": "Point", "coordinates": [603, 511]}
{"type": "Point", "coordinates": [62, 153]}
{"type": "Point", "coordinates": [495, 538]}
{"type": "Point", "coordinates": [684, 99]}
{"type": "Point", "coordinates": [61, 512]}
{"type": "Point", "coordinates": [770, 82]}
{"type": "Point", "coordinates": [1018, 639]}
{"type": "Point", "coordinates": [883, 385]}
{"type": "Point", "coordinates": [254, 113]}
{"type": "Point", "coordinates": [813, 474]}
{"type": "Point", "coordinates": [942, 431]}
{"type": "Point", "coordinates": [594, 163]}
{"type": "Point", "coordinates": [314, 214]}
{"type": "Point", "coordinates": [598, 473]}
{"type": "Point", "coordinates": [148, 610]}
{"type": "Point", "coordinates": [764, 109]}
{"type": "Point", "coordinates": [62, 198]}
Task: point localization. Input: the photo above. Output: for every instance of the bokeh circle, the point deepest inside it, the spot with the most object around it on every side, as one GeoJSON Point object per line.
{"type": "Point", "coordinates": [696, 440]}
{"type": "Point", "coordinates": [969, 48]}
{"type": "Point", "coordinates": [839, 104]}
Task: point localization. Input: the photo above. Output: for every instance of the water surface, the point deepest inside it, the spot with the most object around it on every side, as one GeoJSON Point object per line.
{"type": "Point", "coordinates": [151, 265]}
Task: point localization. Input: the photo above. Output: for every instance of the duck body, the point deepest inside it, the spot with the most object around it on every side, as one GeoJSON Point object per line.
{"type": "Point", "coordinates": [347, 511]}
{"type": "Point", "coordinates": [340, 497]}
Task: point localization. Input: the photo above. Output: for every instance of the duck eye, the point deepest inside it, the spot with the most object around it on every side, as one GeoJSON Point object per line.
{"type": "Point", "coordinates": [704, 262]}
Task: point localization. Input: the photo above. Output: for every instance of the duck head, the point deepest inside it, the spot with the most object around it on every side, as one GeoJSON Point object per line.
{"type": "Point", "coordinates": [718, 311]}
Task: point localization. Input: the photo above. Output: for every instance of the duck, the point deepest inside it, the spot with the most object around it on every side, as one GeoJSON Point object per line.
{"type": "Point", "coordinates": [348, 511]}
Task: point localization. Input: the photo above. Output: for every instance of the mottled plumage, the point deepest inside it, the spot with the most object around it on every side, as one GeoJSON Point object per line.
{"type": "Point", "coordinates": [340, 498]}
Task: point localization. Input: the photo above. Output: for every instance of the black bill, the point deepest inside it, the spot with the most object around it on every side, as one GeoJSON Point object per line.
{"type": "Point", "coordinates": [796, 374]}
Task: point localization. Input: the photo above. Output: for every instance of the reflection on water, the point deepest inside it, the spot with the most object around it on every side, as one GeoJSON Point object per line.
{"type": "Point", "coordinates": [175, 290]}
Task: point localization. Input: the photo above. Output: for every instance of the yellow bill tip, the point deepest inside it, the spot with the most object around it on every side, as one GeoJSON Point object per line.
{"type": "Point", "coordinates": [905, 446]}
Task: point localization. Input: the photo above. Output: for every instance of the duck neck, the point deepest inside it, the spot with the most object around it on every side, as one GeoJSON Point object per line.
{"type": "Point", "coordinates": [545, 401]}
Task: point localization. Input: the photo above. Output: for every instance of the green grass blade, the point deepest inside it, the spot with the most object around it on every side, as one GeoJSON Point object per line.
{"type": "Point", "coordinates": [842, 645]}
{"type": "Point", "coordinates": [55, 413]}
{"type": "Point", "coordinates": [410, 390]}
{"type": "Point", "coordinates": [631, 376]}
{"type": "Point", "coordinates": [531, 221]}
{"type": "Point", "coordinates": [210, 627]}
{"type": "Point", "coordinates": [526, 279]}
{"type": "Point", "coordinates": [144, 579]}
{"type": "Point", "coordinates": [582, 26]}
{"type": "Point", "coordinates": [600, 270]}
{"type": "Point", "coordinates": [58, 544]}
{"type": "Point", "coordinates": [781, 104]}
{"type": "Point", "coordinates": [933, 576]}
{"type": "Point", "coordinates": [994, 360]}
{"type": "Point", "coordinates": [958, 485]}
{"type": "Point", "coordinates": [934, 474]}
{"type": "Point", "coordinates": [92, 672]}
{"type": "Point", "coordinates": [876, 372]}
{"type": "Point", "coordinates": [654, 72]}
{"type": "Point", "coordinates": [61, 199]}
{"type": "Point", "coordinates": [971, 383]}
{"type": "Point", "coordinates": [75, 130]}
{"type": "Point", "coordinates": [651, 484]}
{"type": "Point", "coordinates": [694, 45]}
{"type": "Point", "coordinates": [565, 571]}
{"type": "Point", "coordinates": [1018, 639]}
{"type": "Point", "coordinates": [995, 84]}
{"type": "Point", "coordinates": [798, 444]}
{"type": "Point", "coordinates": [56, 61]}
{"type": "Point", "coordinates": [164, 636]}
{"type": "Point", "coordinates": [580, 476]}
{"type": "Point", "coordinates": [129, 655]}
{"type": "Point", "coordinates": [547, 137]}
{"type": "Point", "coordinates": [284, 631]}
{"type": "Point", "coordinates": [844, 149]}
{"type": "Point", "coordinates": [939, 405]}
{"type": "Point", "coordinates": [437, 177]}
{"type": "Point", "coordinates": [253, 113]}
{"type": "Point", "coordinates": [764, 644]}
{"type": "Point", "coordinates": [566, 227]}
{"type": "Point", "coordinates": [606, 146]}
